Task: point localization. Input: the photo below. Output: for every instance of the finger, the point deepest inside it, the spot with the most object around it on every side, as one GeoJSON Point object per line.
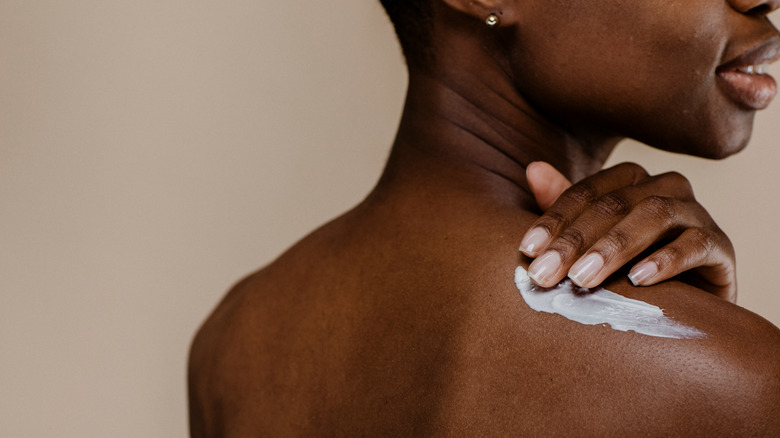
{"type": "Point", "coordinates": [653, 219]}
{"type": "Point", "coordinates": [546, 183]}
{"type": "Point", "coordinates": [599, 220]}
{"type": "Point", "coordinates": [574, 201]}
{"type": "Point", "coordinates": [697, 248]}
{"type": "Point", "coordinates": [650, 217]}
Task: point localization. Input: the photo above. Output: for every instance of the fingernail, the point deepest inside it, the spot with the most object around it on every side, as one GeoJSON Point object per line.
{"type": "Point", "coordinates": [543, 268]}
{"type": "Point", "coordinates": [586, 268]}
{"type": "Point", "coordinates": [642, 273]}
{"type": "Point", "coordinates": [533, 241]}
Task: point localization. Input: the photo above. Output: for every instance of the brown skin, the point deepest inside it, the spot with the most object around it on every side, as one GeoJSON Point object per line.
{"type": "Point", "coordinates": [616, 215]}
{"type": "Point", "coordinates": [401, 317]}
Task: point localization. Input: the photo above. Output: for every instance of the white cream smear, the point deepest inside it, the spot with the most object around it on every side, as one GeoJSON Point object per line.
{"type": "Point", "coordinates": [600, 306]}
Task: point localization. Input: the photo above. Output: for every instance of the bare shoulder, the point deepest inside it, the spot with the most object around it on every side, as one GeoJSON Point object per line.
{"type": "Point", "coordinates": [243, 358]}
{"type": "Point", "coordinates": [210, 360]}
{"type": "Point", "coordinates": [341, 336]}
{"type": "Point", "coordinates": [536, 373]}
{"type": "Point", "coordinates": [727, 381]}
{"type": "Point", "coordinates": [271, 358]}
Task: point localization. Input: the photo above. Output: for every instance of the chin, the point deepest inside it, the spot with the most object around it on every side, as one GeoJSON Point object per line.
{"type": "Point", "coordinates": [727, 135]}
{"type": "Point", "coordinates": [712, 149]}
{"type": "Point", "coordinates": [714, 141]}
{"type": "Point", "coordinates": [724, 151]}
{"type": "Point", "coordinates": [727, 143]}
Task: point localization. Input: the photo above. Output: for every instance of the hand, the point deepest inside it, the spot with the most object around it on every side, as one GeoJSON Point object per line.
{"type": "Point", "coordinates": [591, 229]}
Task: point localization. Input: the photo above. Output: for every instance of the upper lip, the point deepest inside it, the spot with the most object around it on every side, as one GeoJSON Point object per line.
{"type": "Point", "coordinates": [765, 52]}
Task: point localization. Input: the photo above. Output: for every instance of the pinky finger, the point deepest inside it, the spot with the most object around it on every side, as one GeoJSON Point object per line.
{"type": "Point", "coordinates": [691, 250]}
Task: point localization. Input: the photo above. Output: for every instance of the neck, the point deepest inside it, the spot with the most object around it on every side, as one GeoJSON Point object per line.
{"type": "Point", "coordinates": [475, 133]}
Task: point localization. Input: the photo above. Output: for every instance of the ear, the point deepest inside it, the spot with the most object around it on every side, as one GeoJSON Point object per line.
{"type": "Point", "coordinates": [481, 9]}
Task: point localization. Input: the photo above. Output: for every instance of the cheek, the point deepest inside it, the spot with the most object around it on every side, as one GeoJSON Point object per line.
{"type": "Point", "coordinates": [634, 71]}
{"type": "Point", "coordinates": [607, 52]}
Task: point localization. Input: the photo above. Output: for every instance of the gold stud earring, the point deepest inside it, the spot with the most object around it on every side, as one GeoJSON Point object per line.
{"type": "Point", "coordinates": [492, 20]}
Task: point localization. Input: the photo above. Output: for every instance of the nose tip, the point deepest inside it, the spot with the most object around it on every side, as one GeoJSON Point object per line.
{"type": "Point", "coordinates": [755, 7]}
{"type": "Point", "coordinates": [772, 5]}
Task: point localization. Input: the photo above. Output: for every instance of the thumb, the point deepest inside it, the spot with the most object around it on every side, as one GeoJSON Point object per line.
{"type": "Point", "coordinates": [546, 183]}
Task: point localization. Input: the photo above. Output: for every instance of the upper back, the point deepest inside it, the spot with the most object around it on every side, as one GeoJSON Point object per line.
{"type": "Point", "coordinates": [397, 326]}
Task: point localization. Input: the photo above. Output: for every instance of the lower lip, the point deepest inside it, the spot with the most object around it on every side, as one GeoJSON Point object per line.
{"type": "Point", "coordinates": [751, 90]}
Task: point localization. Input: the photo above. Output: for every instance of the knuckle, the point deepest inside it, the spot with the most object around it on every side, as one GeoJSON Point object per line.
{"type": "Point", "coordinates": [678, 180]}
{"type": "Point", "coordinates": [638, 172]}
{"type": "Point", "coordinates": [553, 216]}
{"type": "Point", "coordinates": [668, 256]}
{"type": "Point", "coordinates": [613, 203]}
{"type": "Point", "coordinates": [659, 206]}
{"type": "Point", "coordinates": [700, 240]}
{"type": "Point", "coordinates": [571, 239]}
{"type": "Point", "coordinates": [582, 193]}
{"type": "Point", "coordinates": [551, 221]}
{"type": "Point", "coordinates": [617, 241]}
{"type": "Point", "coordinates": [690, 249]}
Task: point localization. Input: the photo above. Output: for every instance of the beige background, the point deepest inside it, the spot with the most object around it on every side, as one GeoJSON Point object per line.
{"type": "Point", "coordinates": [154, 151]}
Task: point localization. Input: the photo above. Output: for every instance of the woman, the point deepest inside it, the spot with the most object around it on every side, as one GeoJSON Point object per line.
{"type": "Point", "coordinates": [403, 315]}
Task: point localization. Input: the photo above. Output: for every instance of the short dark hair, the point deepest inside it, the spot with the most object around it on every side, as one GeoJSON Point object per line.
{"type": "Point", "coordinates": [412, 20]}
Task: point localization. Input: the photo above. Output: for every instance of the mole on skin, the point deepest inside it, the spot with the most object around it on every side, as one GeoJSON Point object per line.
{"type": "Point", "coordinates": [600, 306]}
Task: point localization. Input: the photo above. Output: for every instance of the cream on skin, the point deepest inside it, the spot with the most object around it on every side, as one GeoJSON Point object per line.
{"type": "Point", "coordinates": [600, 306]}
